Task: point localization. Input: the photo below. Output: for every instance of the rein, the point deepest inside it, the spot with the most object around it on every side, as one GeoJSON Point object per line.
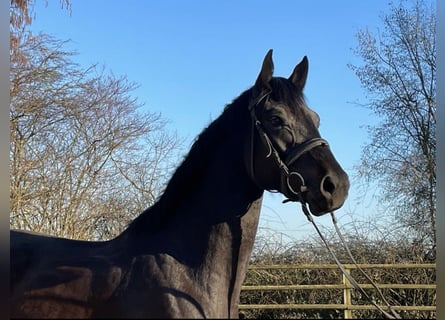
{"type": "Point", "coordinates": [295, 194]}
{"type": "Point", "coordinates": [391, 314]}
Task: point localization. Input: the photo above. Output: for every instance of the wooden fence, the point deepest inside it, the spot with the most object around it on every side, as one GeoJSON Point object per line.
{"type": "Point", "coordinates": [348, 304]}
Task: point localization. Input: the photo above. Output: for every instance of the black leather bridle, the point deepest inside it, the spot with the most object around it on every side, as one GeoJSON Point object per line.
{"type": "Point", "coordinates": [289, 179]}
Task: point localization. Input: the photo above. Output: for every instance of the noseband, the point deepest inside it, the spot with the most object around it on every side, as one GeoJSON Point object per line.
{"type": "Point", "coordinates": [289, 179]}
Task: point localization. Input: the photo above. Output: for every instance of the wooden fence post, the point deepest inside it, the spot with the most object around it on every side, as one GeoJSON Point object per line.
{"type": "Point", "coordinates": [347, 295]}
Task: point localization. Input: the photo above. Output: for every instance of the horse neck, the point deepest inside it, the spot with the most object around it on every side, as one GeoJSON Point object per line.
{"type": "Point", "coordinates": [207, 219]}
{"type": "Point", "coordinates": [219, 221]}
{"type": "Point", "coordinates": [217, 206]}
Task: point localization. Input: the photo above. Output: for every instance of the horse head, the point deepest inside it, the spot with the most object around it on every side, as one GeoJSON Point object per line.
{"type": "Point", "coordinates": [286, 150]}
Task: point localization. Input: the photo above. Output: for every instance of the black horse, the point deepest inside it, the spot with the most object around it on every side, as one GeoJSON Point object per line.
{"type": "Point", "coordinates": [187, 255]}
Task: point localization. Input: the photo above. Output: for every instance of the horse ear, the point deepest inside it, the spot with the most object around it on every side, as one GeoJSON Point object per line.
{"type": "Point", "coordinates": [265, 74]}
{"type": "Point", "coordinates": [299, 75]}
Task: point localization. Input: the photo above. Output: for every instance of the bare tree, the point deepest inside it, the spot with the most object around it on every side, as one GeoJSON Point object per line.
{"type": "Point", "coordinates": [84, 159]}
{"type": "Point", "coordinates": [399, 76]}
{"type": "Point", "coordinates": [21, 14]}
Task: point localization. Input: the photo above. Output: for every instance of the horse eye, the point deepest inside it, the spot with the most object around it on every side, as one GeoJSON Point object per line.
{"type": "Point", "coordinates": [276, 121]}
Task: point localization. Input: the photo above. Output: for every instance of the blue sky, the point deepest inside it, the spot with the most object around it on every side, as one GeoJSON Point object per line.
{"type": "Point", "coordinates": [191, 58]}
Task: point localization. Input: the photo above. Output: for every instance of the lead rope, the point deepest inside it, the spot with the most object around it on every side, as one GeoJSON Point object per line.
{"type": "Point", "coordinates": [394, 314]}
{"type": "Point", "coordinates": [337, 229]}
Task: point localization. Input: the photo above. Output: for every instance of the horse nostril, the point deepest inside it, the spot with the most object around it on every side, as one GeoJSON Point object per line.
{"type": "Point", "coordinates": [327, 185]}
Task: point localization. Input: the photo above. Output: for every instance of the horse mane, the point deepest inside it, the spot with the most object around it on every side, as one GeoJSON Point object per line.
{"type": "Point", "coordinates": [187, 172]}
